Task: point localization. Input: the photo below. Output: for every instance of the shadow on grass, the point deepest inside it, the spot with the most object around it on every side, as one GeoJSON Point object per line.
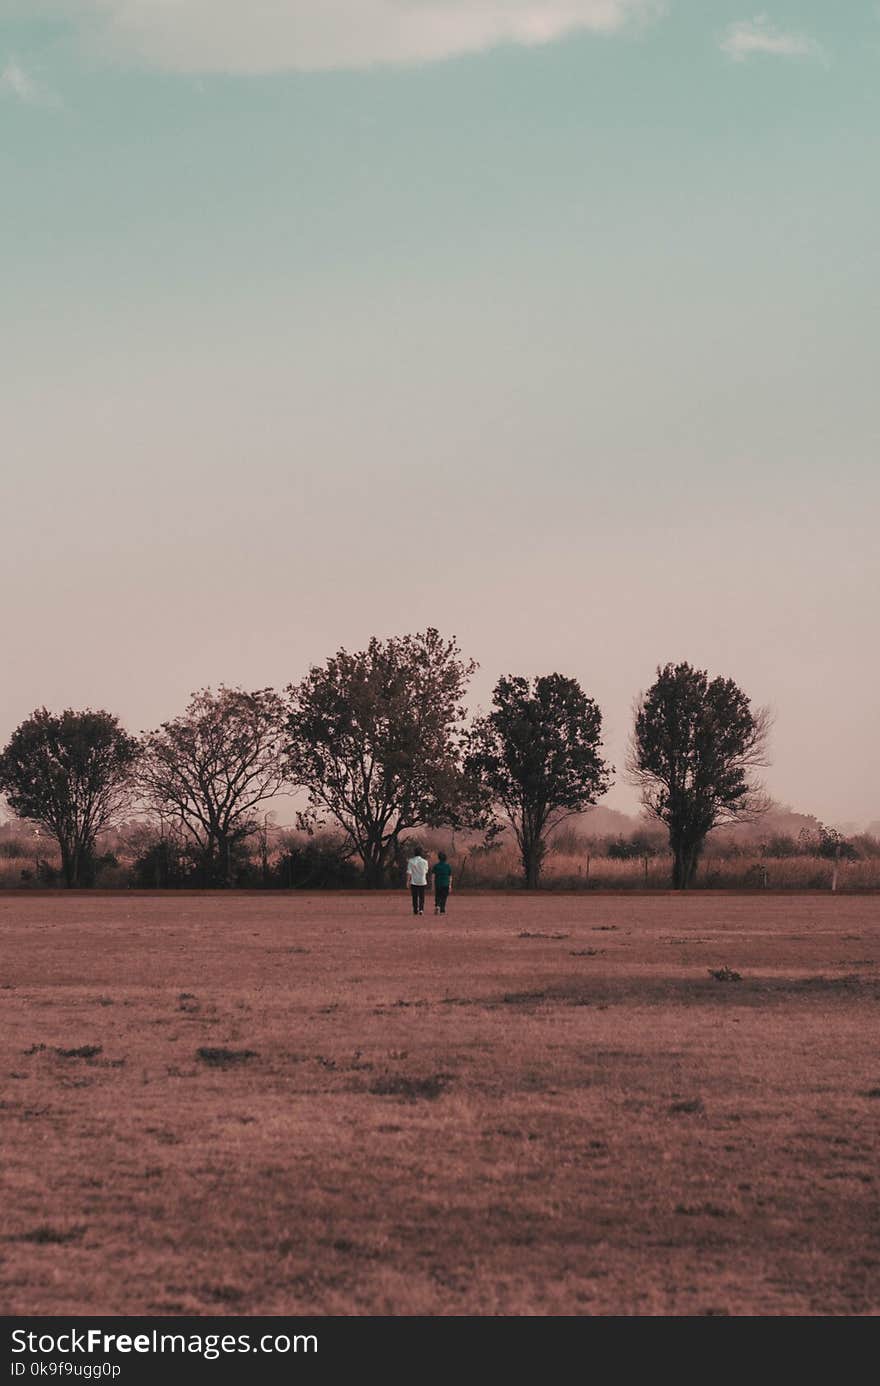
{"type": "Point", "coordinates": [430, 1087]}
{"type": "Point", "coordinates": [225, 1058]}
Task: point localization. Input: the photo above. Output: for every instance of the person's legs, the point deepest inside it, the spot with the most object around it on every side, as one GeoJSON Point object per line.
{"type": "Point", "coordinates": [441, 895]}
{"type": "Point", "coordinates": [415, 898]}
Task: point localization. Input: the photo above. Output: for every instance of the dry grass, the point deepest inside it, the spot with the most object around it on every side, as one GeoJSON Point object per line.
{"type": "Point", "coordinates": [11, 869]}
{"type": "Point", "coordinates": [564, 870]}
{"type": "Point", "coordinates": [544, 1104]}
{"type": "Point", "coordinates": [572, 871]}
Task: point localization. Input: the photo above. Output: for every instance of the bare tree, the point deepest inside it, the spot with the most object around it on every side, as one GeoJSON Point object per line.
{"type": "Point", "coordinates": [72, 774]}
{"type": "Point", "coordinates": [213, 767]}
{"type": "Point", "coordinates": [694, 746]}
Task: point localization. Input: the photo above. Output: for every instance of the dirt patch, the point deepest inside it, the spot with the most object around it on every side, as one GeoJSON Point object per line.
{"type": "Point", "coordinates": [526, 934]}
{"type": "Point", "coordinates": [429, 1087]}
{"type": "Point", "coordinates": [225, 1058]}
{"type": "Point", "coordinates": [50, 1236]}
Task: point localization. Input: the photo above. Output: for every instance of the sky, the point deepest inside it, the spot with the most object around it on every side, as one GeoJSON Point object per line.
{"type": "Point", "coordinates": [549, 323]}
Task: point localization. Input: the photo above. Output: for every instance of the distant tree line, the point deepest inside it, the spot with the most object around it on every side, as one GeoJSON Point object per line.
{"type": "Point", "coordinates": [817, 841]}
{"type": "Point", "coordinates": [380, 744]}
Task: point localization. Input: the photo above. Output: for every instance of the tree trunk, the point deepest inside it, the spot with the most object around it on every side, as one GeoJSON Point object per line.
{"type": "Point", "coordinates": [213, 862]}
{"type": "Point", "coordinates": [86, 870]}
{"type": "Point", "coordinates": [374, 869]}
{"type": "Point", "coordinates": [677, 868]}
{"type": "Point", "coordinates": [532, 857]}
{"type": "Point", "coordinates": [685, 856]}
{"type": "Point", "coordinates": [224, 861]}
{"type": "Point", "coordinates": [691, 862]}
{"type": "Point", "coordinates": [68, 864]}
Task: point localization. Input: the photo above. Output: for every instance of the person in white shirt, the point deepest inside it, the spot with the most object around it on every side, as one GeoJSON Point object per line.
{"type": "Point", "coordinates": [417, 879]}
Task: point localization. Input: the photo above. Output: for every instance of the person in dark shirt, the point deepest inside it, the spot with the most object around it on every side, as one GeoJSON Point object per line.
{"type": "Point", "coordinates": [442, 873]}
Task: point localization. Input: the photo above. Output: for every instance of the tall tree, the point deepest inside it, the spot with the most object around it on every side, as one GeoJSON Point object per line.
{"type": "Point", "coordinates": [375, 739]}
{"type": "Point", "coordinates": [694, 745]}
{"type": "Point", "coordinates": [211, 768]}
{"type": "Point", "coordinates": [536, 756]}
{"type": "Point", "coordinates": [72, 774]}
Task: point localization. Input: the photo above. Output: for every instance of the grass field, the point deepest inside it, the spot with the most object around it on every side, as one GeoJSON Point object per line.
{"type": "Point", "coordinates": [272, 1104]}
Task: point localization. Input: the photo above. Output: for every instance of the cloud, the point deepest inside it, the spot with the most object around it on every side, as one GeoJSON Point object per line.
{"type": "Point", "coordinates": [17, 83]}
{"type": "Point", "coordinates": [255, 36]}
{"type": "Point", "coordinates": [758, 35]}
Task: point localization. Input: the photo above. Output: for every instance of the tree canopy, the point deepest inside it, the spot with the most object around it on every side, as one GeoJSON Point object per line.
{"type": "Point", "coordinates": [536, 758]}
{"type": "Point", "coordinates": [211, 768]}
{"type": "Point", "coordinates": [694, 745]}
{"type": "Point", "coordinates": [72, 774]}
{"type": "Point", "coordinates": [375, 738]}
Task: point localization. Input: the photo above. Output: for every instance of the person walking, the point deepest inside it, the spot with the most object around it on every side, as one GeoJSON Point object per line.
{"type": "Point", "coordinates": [442, 873]}
{"type": "Point", "coordinates": [417, 880]}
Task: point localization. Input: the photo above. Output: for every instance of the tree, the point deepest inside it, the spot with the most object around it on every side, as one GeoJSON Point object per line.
{"type": "Point", "coordinates": [72, 774]}
{"type": "Point", "coordinates": [635, 848]}
{"type": "Point", "coordinates": [211, 769]}
{"type": "Point", "coordinates": [375, 739]}
{"type": "Point", "coordinates": [536, 757]}
{"type": "Point", "coordinates": [833, 845]}
{"type": "Point", "coordinates": [693, 746]}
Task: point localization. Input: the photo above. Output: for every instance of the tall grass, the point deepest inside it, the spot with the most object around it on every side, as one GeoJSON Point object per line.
{"type": "Point", "coordinates": [21, 870]}
{"type": "Point", "coordinates": [584, 870]}
{"type": "Point", "coordinates": [575, 863]}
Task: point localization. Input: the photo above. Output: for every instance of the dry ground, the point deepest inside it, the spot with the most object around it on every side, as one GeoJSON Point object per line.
{"type": "Point", "coordinates": [542, 1105]}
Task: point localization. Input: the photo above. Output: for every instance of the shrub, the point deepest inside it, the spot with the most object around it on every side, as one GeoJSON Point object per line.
{"type": "Point", "coordinates": [834, 846]}
{"type": "Point", "coordinates": [316, 864]}
{"type": "Point", "coordinates": [634, 848]}
{"type": "Point", "coordinates": [781, 846]}
{"type": "Point", "coordinates": [160, 865]}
